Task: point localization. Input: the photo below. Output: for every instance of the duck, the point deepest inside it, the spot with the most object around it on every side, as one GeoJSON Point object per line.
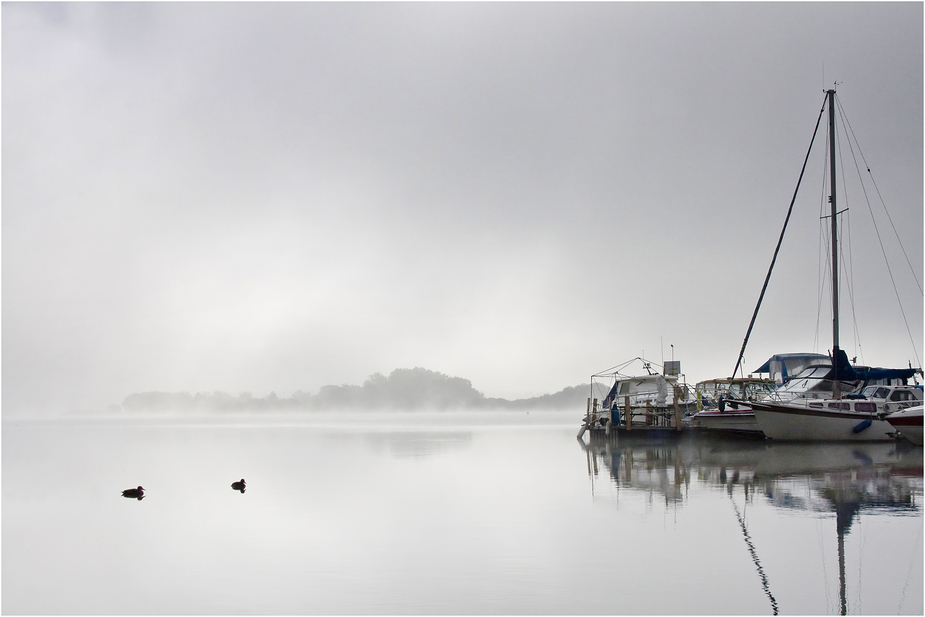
{"type": "Point", "coordinates": [238, 486]}
{"type": "Point", "coordinates": [134, 493]}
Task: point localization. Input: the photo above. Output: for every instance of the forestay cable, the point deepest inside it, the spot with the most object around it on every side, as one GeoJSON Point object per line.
{"type": "Point", "coordinates": [779, 242]}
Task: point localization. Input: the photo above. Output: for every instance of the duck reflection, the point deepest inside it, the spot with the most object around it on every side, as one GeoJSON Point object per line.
{"type": "Point", "coordinates": [134, 493]}
{"type": "Point", "coordinates": [239, 486]}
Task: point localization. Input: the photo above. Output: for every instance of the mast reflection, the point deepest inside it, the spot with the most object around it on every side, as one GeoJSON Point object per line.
{"type": "Point", "coordinates": [846, 479]}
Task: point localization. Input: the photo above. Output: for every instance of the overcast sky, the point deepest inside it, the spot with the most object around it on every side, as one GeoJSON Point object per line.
{"type": "Point", "coordinates": [275, 197]}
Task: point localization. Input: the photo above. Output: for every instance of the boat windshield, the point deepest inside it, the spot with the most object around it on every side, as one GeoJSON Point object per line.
{"type": "Point", "coordinates": [738, 390]}
{"type": "Point", "coordinates": [747, 391]}
{"type": "Point", "coordinates": [875, 392]}
{"type": "Point", "coordinates": [814, 378]}
{"type": "Point", "coordinates": [758, 390]}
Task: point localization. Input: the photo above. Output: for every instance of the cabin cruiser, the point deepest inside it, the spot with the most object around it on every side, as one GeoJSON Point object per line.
{"type": "Point", "coordinates": [654, 399]}
{"type": "Point", "coordinates": [724, 403]}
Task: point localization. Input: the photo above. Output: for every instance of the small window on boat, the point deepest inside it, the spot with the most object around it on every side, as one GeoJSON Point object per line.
{"type": "Point", "coordinates": [901, 395]}
{"type": "Point", "coordinates": [816, 405]}
{"type": "Point", "coordinates": [867, 407]}
{"type": "Point", "coordinates": [845, 406]}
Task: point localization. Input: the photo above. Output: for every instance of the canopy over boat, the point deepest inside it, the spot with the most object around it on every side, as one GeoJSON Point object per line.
{"type": "Point", "coordinates": [784, 365]}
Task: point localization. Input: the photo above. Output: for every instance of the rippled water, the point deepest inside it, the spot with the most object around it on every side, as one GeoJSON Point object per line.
{"type": "Point", "coordinates": [448, 513]}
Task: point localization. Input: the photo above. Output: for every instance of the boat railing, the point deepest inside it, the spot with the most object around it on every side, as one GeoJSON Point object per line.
{"type": "Point", "coordinates": [645, 409]}
{"type": "Point", "coordinates": [641, 416]}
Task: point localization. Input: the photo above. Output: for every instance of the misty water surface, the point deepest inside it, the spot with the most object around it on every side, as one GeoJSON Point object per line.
{"type": "Point", "coordinates": [448, 513]}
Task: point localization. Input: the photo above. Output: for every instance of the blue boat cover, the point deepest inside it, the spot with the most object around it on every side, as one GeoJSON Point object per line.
{"type": "Point", "coordinates": [845, 372]}
{"type": "Point", "coordinates": [843, 369]}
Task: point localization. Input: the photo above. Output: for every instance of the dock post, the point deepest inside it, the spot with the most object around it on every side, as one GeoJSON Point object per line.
{"type": "Point", "coordinates": [677, 409]}
{"type": "Point", "coordinates": [627, 413]}
{"type": "Point", "coordinates": [586, 424]}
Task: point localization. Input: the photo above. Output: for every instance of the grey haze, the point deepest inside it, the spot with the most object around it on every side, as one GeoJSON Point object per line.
{"type": "Point", "coordinates": [272, 197]}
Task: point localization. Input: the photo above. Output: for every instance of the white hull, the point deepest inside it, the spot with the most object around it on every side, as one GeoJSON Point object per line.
{"type": "Point", "coordinates": [810, 424]}
{"type": "Point", "coordinates": [791, 457]}
{"type": "Point", "coordinates": [913, 434]}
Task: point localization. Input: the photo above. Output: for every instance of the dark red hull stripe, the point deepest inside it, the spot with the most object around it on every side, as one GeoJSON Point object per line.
{"type": "Point", "coordinates": [905, 421]}
{"type": "Point", "coordinates": [809, 411]}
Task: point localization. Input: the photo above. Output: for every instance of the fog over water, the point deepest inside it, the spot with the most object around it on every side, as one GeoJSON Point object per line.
{"type": "Point", "coordinates": [277, 197]}
{"type": "Point", "coordinates": [460, 513]}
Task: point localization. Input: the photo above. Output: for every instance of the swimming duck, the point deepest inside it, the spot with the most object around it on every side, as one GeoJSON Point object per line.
{"type": "Point", "coordinates": [238, 486]}
{"type": "Point", "coordinates": [134, 493]}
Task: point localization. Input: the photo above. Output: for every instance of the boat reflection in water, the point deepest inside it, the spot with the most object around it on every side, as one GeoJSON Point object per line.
{"type": "Point", "coordinates": [847, 479]}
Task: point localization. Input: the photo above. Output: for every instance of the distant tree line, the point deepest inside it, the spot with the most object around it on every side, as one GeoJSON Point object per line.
{"type": "Point", "coordinates": [403, 389]}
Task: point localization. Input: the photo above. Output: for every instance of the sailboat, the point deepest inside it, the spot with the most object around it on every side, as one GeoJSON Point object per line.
{"type": "Point", "coordinates": [839, 418]}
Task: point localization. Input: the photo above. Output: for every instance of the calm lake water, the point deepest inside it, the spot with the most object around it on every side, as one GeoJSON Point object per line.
{"type": "Point", "coordinates": [448, 513]}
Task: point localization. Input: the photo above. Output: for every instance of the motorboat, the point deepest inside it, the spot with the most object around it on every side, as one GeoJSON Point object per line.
{"type": "Point", "coordinates": [654, 399]}
{"type": "Point", "coordinates": [908, 422]}
{"type": "Point", "coordinates": [723, 404]}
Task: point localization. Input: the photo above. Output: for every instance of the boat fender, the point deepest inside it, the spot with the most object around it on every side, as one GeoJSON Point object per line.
{"type": "Point", "coordinates": [861, 426]}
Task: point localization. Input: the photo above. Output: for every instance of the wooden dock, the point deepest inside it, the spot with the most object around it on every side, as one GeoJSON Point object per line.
{"type": "Point", "coordinates": [636, 433]}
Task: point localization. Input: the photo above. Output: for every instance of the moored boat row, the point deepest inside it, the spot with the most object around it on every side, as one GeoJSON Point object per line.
{"type": "Point", "coordinates": [878, 404]}
{"type": "Point", "coordinates": [811, 397]}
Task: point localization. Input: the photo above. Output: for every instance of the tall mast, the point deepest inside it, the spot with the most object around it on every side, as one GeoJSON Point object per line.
{"type": "Point", "coordinates": [831, 97]}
